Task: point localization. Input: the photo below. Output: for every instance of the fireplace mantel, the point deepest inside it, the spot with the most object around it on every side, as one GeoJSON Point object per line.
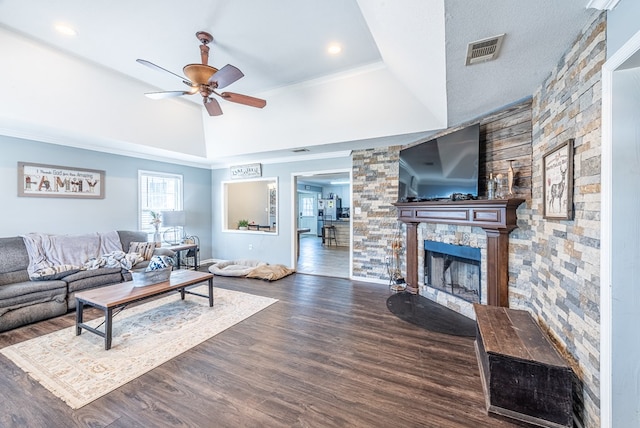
{"type": "Point", "coordinates": [496, 216]}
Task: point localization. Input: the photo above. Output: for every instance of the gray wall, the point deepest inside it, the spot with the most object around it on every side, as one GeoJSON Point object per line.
{"type": "Point", "coordinates": [267, 247]}
{"type": "Point", "coordinates": [119, 208]}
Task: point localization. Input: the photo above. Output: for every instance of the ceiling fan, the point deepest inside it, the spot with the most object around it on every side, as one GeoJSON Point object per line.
{"type": "Point", "coordinates": [206, 79]}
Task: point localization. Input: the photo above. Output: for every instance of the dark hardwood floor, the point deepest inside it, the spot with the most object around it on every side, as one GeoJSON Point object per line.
{"type": "Point", "coordinates": [328, 354]}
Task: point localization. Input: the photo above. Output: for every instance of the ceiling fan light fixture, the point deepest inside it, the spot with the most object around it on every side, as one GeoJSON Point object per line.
{"type": "Point", "coordinates": [199, 73]}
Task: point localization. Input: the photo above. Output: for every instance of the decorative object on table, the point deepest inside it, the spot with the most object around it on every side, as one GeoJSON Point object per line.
{"type": "Point", "coordinates": [150, 277]}
{"type": "Point", "coordinates": [158, 270]}
{"type": "Point", "coordinates": [557, 185]}
{"type": "Point", "coordinates": [175, 222]}
{"type": "Point", "coordinates": [50, 181]}
{"type": "Point", "coordinates": [501, 191]}
{"type": "Point", "coordinates": [156, 221]}
{"type": "Point", "coordinates": [243, 224]}
{"type": "Point", "coordinates": [491, 187]}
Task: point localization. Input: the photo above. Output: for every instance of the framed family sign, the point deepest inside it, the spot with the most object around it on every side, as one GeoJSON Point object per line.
{"type": "Point", "coordinates": [51, 181]}
{"type": "Point", "coordinates": [557, 176]}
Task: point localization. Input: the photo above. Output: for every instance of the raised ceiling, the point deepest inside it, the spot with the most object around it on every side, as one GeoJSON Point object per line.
{"type": "Point", "coordinates": [400, 75]}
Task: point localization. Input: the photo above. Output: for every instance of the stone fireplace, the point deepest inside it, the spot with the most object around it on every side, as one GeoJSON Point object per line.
{"type": "Point", "coordinates": [454, 269]}
{"type": "Point", "coordinates": [496, 217]}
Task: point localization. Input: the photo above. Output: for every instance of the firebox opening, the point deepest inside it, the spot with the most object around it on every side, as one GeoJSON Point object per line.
{"type": "Point", "coordinates": [454, 269]}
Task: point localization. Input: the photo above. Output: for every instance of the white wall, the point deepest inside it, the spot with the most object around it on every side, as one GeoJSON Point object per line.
{"type": "Point", "coordinates": [361, 105]}
{"type": "Point", "coordinates": [622, 23]}
{"type": "Point", "coordinates": [625, 271]}
{"type": "Point", "coordinates": [55, 97]}
{"type": "Point", "coordinates": [117, 211]}
{"type": "Point", "coordinates": [620, 294]}
{"type": "Point", "coordinates": [267, 247]}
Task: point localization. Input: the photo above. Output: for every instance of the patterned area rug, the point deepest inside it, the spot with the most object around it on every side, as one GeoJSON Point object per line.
{"type": "Point", "coordinates": [78, 369]}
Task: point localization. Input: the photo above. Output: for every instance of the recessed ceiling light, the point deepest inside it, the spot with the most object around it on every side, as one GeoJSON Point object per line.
{"type": "Point", "coordinates": [65, 29]}
{"type": "Point", "coordinates": [334, 49]}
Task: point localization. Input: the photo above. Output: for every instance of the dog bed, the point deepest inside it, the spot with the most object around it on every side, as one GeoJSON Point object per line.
{"type": "Point", "coordinates": [270, 272]}
{"type": "Point", "coordinates": [234, 267]}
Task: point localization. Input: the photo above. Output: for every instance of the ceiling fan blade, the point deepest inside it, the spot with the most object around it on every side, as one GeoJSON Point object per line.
{"type": "Point", "coordinates": [212, 106]}
{"type": "Point", "coordinates": [158, 68]}
{"type": "Point", "coordinates": [244, 99]}
{"type": "Point", "coordinates": [168, 94]}
{"type": "Point", "coordinates": [226, 76]}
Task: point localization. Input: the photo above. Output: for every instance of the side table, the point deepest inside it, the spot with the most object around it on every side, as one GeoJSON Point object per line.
{"type": "Point", "coordinates": [185, 247]}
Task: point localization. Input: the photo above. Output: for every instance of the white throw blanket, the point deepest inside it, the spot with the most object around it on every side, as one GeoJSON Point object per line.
{"type": "Point", "coordinates": [114, 259]}
{"type": "Point", "coordinates": [52, 254]}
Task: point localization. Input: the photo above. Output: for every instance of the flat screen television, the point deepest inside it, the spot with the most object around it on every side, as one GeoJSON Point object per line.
{"type": "Point", "coordinates": [441, 167]}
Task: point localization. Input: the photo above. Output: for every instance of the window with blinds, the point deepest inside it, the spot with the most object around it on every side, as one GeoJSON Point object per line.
{"type": "Point", "coordinates": [158, 192]}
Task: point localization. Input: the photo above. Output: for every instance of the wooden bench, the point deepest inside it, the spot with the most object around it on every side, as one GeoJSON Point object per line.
{"type": "Point", "coordinates": [523, 375]}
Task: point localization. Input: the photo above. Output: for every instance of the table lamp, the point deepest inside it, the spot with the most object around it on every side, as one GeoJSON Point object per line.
{"type": "Point", "coordinates": [175, 221]}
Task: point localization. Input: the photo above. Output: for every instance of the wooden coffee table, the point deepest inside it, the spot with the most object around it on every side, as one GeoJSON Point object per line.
{"type": "Point", "coordinates": [123, 294]}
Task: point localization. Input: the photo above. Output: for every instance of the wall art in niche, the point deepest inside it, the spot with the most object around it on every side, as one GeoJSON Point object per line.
{"type": "Point", "coordinates": [51, 181]}
{"type": "Point", "coordinates": [557, 176]}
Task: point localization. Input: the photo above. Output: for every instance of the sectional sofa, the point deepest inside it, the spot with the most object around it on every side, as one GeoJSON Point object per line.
{"type": "Point", "coordinates": [24, 300]}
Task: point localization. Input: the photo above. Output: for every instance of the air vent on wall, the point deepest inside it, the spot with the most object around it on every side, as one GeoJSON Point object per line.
{"type": "Point", "coordinates": [484, 50]}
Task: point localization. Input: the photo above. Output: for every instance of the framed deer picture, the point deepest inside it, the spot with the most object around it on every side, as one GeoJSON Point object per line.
{"type": "Point", "coordinates": [557, 176]}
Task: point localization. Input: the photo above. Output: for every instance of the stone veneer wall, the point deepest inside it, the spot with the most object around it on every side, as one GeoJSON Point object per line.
{"type": "Point", "coordinates": [553, 265]}
{"type": "Point", "coordinates": [504, 135]}
{"type": "Point", "coordinates": [375, 188]}
{"type": "Point", "coordinates": [565, 261]}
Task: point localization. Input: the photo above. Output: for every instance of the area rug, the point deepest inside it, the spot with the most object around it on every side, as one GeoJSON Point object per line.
{"type": "Point", "coordinates": [420, 311]}
{"type": "Point", "coordinates": [78, 370]}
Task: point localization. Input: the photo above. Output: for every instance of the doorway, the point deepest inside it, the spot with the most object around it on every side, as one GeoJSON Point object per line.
{"type": "Point", "coordinates": [315, 193]}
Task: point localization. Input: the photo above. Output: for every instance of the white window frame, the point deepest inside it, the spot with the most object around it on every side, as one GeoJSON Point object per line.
{"type": "Point", "coordinates": [144, 207]}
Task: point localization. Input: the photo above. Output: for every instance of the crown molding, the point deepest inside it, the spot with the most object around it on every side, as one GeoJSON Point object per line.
{"type": "Point", "coordinates": [602, 4]}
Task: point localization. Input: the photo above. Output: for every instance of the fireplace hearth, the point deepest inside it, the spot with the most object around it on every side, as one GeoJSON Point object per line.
{"type": "Point", "coordinates": [454, 269]}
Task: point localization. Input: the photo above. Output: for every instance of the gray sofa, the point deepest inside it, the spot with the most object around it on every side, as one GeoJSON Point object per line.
{"type": "Point", "coordinates": [23, 301]}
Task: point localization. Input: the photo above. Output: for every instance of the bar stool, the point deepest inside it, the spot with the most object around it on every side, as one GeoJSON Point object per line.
{"type": "Point", "coordinates": [329, 232]}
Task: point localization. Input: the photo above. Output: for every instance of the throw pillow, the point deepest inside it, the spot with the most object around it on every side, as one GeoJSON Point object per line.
{"type": "Point", "coordinates": [159, 262]}
{"type": "Point", "coordinates": [145, 249]}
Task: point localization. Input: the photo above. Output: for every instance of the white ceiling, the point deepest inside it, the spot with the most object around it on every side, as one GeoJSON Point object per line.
{"type": "Point", "coordinates": [400, 77]}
